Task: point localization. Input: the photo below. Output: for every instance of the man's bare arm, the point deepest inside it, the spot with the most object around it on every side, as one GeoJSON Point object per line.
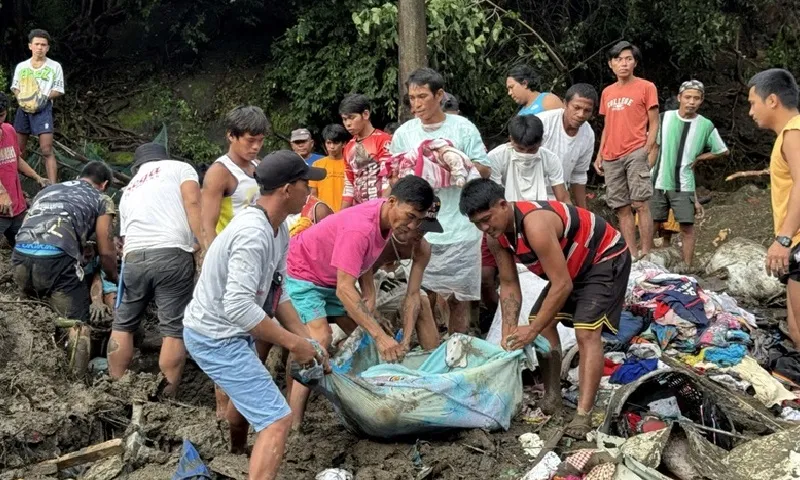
{"type": "Point", "coordinates": [652, 128]}
{"type": "Point", "coordinates": [215, 186]}
{"type": "Point", "coordinates": [791, 152]}
{"type": "Point", "coordinates": [190, 193]}
{"type": "Point", "coordinates": [413, 301]}
{"type": "Point", "coordinates": [510, 293]}
{"type": "Point", "coordinates": [106, 248]}
{"type": "Point", "coordinates": [368, 293]}
{"type": "Point", "coordinates": [561, 193]}
{"type": "Point", "coordinates": [578, 195]}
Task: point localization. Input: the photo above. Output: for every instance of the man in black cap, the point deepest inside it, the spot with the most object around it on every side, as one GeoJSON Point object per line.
{"type": "Point", "coordinates": [238, 299]}
{"type": "Point", "coordinates": [160, 224]}
{"type": "Point", "coordinates": [415, 310]}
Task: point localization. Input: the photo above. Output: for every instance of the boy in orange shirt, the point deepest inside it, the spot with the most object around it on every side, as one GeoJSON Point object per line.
{"type": "Point", "coordinates": [331, 188]}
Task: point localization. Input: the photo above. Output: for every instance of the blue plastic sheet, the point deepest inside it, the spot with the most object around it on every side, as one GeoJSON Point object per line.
{"type": "Point", "coordinates": [465, 383]}
{"type": "Point", "coordinates": [191, 466]}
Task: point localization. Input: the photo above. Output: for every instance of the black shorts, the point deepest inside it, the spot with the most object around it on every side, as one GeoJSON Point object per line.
{"type": "Point", "coordinates": [597, 296]}
{"type": "Point", "coordinates": [55, 278]}
{"type": "Point", "coordinates": [794, 266]}
{"type": "Point", "coordinates": [9, 226]}
{"type": "Point", "coordinates": [165, 275]}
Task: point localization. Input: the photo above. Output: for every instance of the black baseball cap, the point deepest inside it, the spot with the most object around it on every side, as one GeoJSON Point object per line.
{"type": "Point", "coordinates": [430, 223]}
{"type": "Point", "coordinates": [284, 166]}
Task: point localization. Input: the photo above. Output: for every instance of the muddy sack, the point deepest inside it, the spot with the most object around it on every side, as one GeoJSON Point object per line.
{"type": "Point", "coordinates": [465, 383]}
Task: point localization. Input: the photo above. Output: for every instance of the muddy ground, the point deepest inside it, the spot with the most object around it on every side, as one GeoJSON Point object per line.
{"type": "Point", "coordinates": [44, 413]}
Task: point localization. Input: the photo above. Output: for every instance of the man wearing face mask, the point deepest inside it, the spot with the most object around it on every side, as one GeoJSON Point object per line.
{"type": "Point", "coordinates": [567, 133]}
{"type": "Point", "coordinates": [524, 167]}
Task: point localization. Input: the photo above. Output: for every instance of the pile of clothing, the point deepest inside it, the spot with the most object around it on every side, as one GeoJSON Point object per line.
{"type": "Point", "coordinates": [687, 318]}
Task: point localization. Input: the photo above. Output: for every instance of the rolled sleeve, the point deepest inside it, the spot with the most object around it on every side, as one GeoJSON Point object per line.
{"type": "Point", "coordinates": [245, 266]}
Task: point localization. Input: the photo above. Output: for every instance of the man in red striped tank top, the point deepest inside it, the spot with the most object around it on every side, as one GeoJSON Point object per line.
{"type": "Point", "coordinates": [587, 264]}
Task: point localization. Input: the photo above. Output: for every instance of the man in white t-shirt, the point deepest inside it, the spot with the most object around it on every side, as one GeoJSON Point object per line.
{"type": "Point", "coordinates": [159, 222]}
{"type": "Point", "coordinates": [568, 134]}
{"type": "Point", "coordinates": [37, 81]}
{"type": "Point", "coordinates": [524, 167]}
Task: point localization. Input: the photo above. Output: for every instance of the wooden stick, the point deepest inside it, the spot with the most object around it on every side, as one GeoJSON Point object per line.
{"type": "Point", "coordinates": [84, 455]}
{"type": "Point", "coordinates": [747, 173]}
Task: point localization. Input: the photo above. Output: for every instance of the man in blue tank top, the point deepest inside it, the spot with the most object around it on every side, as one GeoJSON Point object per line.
{"type": "Point", "coordinates": [520, 84]}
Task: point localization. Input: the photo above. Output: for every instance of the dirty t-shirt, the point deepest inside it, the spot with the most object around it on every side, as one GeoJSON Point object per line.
{"type": "Point", "coordinates": [9, 164]}
{"type": "Point", "coordinates": [625, 108]}
{"type": "Point", "coordinates": [63, 216]}
{"type": "Point", "coordinates": [349, 241]}
{"type": "Point", "coordinates": [35, 84]}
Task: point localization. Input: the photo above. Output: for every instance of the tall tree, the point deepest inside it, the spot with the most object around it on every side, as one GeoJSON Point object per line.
{"type": "Point", "coordinates": [412, 45]}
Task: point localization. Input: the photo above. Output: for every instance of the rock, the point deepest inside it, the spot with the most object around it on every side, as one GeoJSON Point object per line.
{"type": "Point", "coordinates": [108, 469]}
{"type": "Point", "coordinates": [742, 262]}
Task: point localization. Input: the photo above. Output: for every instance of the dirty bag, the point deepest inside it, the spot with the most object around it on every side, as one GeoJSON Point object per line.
{"type": "Point", "coordinates": [465, 383]}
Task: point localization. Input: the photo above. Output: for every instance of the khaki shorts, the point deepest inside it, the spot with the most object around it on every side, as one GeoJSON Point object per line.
{"type": "Point", "coordinates": [628, 179]}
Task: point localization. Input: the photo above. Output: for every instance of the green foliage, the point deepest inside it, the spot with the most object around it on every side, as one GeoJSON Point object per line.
{"type": "Point", "coordinates": [4, 80]}
{"type": "Point", "coordinates": [785, 50]}
{"type": "Point", "coordinates": [351, 46]}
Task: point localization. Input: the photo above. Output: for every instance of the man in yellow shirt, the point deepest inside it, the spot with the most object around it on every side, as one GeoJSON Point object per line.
{"type": "Point", "coordinates": [330, 189]}
{"type": "Point", "coordinates": [773, 101]}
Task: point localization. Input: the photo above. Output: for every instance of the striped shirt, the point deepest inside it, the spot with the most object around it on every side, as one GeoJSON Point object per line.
{"type": "Point", "coordinates": [682, 140]}
{"type": "Point", "coordinates": [587, 239]}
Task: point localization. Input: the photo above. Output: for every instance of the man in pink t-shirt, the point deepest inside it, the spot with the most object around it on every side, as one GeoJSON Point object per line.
{"type": "Point", "coordinates": [12, 198]}
{"type": "Point", "coordinates": [325, 261]}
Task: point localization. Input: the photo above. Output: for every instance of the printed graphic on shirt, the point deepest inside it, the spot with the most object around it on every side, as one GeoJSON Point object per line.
{"type": "Point", "coordinates": [64, 216]}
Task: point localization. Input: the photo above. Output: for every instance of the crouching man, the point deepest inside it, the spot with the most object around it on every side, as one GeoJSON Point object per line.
{"type": "Point", "coordinates": [238, 299]}
{"type": "Point", "coordinates": [415, 311]}
{"type": "Point", "coordinates": [160, 219]}
{"type": "Point", "coordinates": [327, 260]}
{"type": "Point", "coordinates": [587, 264]}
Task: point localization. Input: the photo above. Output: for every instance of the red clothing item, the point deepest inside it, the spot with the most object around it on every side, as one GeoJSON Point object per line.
{"type": "Point", "coordinates": [609, 367]}
{"type": "Point", "coordinates": [366, 169]}
{"type": "Point", "coordinates": [9, 168]}
{"type": "Point", "coordinates": [625, 108]}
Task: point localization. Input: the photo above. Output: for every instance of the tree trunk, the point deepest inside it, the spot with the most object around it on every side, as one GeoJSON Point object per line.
{"type": "Point", "coordinates": [412, 46]}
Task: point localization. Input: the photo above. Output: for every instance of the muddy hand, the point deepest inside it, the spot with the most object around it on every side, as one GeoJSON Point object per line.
{"type": "Point", "coordinates": [390, 351]}
{"type": "Point", "coordinates": [304, 353]}
{"type": "Point", "coordinates": [98, 312]}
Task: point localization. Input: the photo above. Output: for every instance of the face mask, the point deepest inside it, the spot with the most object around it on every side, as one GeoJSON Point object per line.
{"type": "Point", "coordinates": [524, 157]}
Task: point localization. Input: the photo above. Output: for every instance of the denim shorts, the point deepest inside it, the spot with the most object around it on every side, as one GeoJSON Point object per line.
{"type": "Point", "coordinates": [232, 364]}
{"type": "Point", "coordinates": [313, 302]}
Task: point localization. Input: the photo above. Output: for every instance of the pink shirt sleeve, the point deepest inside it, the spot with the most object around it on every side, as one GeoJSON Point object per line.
{"type": "Point", "coordinates": [349, 250]}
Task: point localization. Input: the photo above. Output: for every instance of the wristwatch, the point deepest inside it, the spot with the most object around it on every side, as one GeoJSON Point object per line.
{"type": "Point", "coordinates": [784, 241]}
